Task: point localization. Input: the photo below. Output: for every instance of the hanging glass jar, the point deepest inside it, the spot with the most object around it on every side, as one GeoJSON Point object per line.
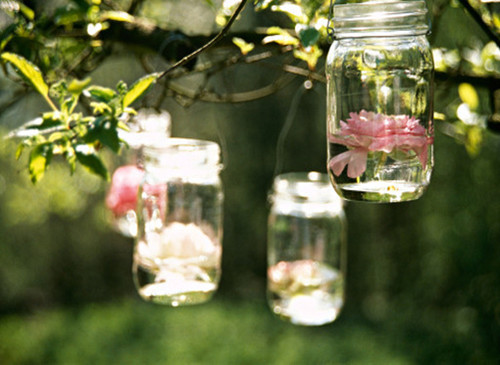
{"type": "Point", "coordinates": [306, 249]}
{"type": "Point", "coordinates": [148, 128]}
{"type": "Point", "coordinates": [178, 246]}
{"type": "Point", "coordinates": [380, 101]}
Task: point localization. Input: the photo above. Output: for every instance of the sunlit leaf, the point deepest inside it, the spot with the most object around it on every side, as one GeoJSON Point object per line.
{"type": "Point", "coordinates": [27, 12]}
{"type": "Point", "coordinates": [263, 4]}
{"type": "Point", "coordinates": [40, 157]}
{"type": "Point", "coordinates": [15, 6]}
{"type": "Point", "coordinates": [30, 72]}
{"type": "Point", "coordinates": [244, 46]}
{"type": "Point", "coordinates": [474, 139]}
{"type": "Point", "coordinates": [280, 36]}
{"type": "Point", "coordinates": [92, 163]}
{"type": "Point", "coordinates": [119, 16]}
{"type": "Point", "coordinates": [69, 104]}
{"type": "Point", "coordinates": [139, 88]}
{"type": "Point", "coordinates": [56, 136]}
{"type": "Point", "coordinates": [100, 93]}
{"type": "Point", "coordinates": [468, 95]}
{"type": "Point", "coordinates": [100, 107]}
{"type": "Point", "coordinates": [294, 12]}
{"type": "Point", "coordinates": [310, 55]}
{"type": "Point", "coordinates": [496, 20]}
{"type": "Point", "coordinates": [77, 86]}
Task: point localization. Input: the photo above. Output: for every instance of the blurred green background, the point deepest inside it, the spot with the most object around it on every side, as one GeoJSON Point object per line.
{"type": "Point", "coordinates": [423, 279]}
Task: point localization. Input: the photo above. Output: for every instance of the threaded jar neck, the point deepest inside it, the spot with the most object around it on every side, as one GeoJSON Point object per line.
{"type": "Point", "coordinates": [380, 19]}
{"type": "Point", "coordinates": [182, 157]}
{"type": "Point", "coordinates": [305, 193]}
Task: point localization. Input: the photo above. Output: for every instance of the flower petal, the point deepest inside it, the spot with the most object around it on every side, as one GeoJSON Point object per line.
{"type": "Point", "coordinates": [338, 163]}
{"type": "Point", "coordinates": [357, 163]}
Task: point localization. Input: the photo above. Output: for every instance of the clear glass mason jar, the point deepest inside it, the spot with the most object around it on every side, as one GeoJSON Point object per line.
{"type": "Point", "coordinates": [306, 249]}
{"type": "Point", "coordinates": [380, 101]}
{"type": "Point", "coordinates": [148, 128]}
{"type": "Point", "coordinates": [177, 255]}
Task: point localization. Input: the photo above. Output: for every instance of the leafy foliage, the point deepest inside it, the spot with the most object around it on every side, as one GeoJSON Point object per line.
{"type": "Point", "coordinates": [54, 53]}
{"type": "Point", "coordinates": [66, 131]}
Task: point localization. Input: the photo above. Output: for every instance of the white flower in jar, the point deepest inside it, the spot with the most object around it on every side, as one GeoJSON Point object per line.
{"type": "Point", "coordinates": [178, 241]}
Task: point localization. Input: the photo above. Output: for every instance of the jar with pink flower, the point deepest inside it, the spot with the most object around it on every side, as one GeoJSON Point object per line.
{"type": "Point", "coordinates": [306, 249]}
{"type": "Point", "coordinates": [148, 128]}
{"type": "Point", "coordinates": [178, 247]}
{"type": "Point", "coordinates": [380, 101]}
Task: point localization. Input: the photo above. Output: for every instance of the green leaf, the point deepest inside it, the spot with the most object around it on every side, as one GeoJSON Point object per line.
{"type": "Point", "coordinates": [77, 86]}
{"type": "Point", "coordinates": [14, 6]}
{"type": "Point", "coordinates": [105, 131]}
{"type": "Point", "coordinates": [311, 7]}
{"type": "Point", "coordinates": [69, 104]}
{"type": "Point", "coordinates": [50, 120]}
{"type": "Point", "coordinates": [294, 11]}
{"type": "Point", "coordinates": [92, 163]}
{"type": "Point", "coordinates": [40, 157]}
{"type": "Point", "coordinates": [29, 71]}
{"type": "Point", "coordinates": [100, 108]}
{"type": "Point", "coordinates": [309, 36]}
{"type": "Point", "coordinates": [139, 88]}
{"type": "Point", "coordinates": [263, 4]}
{"type": "Point", "coordinates": [6, 35]}
{"type": "Point", "coordinates": [280, 36]}
{"type": "Point", "coordinates": [68, 16]}
{"type": "Point", "coordinates": [27, 12]}
{"type": "Point", "coordinates": [19, 150]}
{"type": "Point", "coordinates": [100, 93]}
{"type": "Point", "coordinates": [311, 55]}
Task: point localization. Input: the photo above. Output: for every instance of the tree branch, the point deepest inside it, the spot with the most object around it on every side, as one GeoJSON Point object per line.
{"type": "Point", "coordinates": [213, 41]}
{"type": "Point", "coordinates": [479, 20]}
{"type": "Point", "coordinates": [239, 97]}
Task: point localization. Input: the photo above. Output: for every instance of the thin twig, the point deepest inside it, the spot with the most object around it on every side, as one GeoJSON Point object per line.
{"type": "Point", "coordinates": [233, 98]}
{"type": "Point", "coordinates": [206, 46]}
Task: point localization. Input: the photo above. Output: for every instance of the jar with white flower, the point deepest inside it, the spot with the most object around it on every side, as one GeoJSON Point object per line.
{"type": "Point", "coordinates": [380, 101]}
{"type": "Point", "coordinates": [178, 246]}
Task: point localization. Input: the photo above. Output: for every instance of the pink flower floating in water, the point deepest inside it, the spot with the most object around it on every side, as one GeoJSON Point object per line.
{"type": "Point", "coordinates": [122, 195]}
{"type": "Point", "coordinates": [370, 132]}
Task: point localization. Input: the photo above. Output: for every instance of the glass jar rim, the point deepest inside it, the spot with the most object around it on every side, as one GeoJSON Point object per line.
{"type": "Point", "coordinates": [380, 18]}
{"type": "Point", "coordinates": [183, 153]}
{"type": "Point", "coordinates": [306, 187]}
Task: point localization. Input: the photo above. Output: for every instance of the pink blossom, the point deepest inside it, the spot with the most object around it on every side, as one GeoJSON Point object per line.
{"type": "Point", "coordinates": [122, 195]}
{"type": "Point", "coordinates": [370, 132]}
